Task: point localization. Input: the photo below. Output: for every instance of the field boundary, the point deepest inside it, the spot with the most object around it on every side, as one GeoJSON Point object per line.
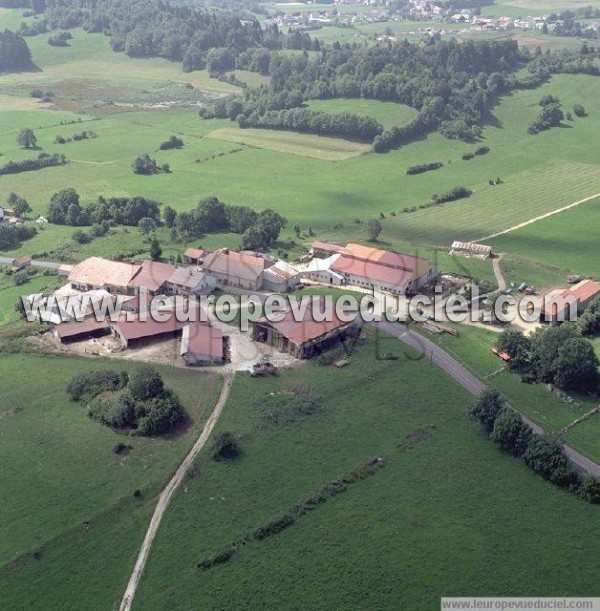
{"type": "Point", "coordinates": [538, 218]}
{"type": "Point", "coordinates": [167, 494]}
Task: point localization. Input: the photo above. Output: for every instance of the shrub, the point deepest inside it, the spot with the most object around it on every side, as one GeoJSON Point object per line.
{"type": "Point", "coordinates": [467, 156]}
{"type": "Point", "coordinates": [172, 143]}
{"type": "Point", "coordinates": [81, 237]}
{"type": "Point", "coordinates": [121, 448]}
{"type": "Point", "coordinates": [579, 110]}
{"type": "Point", "coordinates": [88, 384]}
{"type": "Point", "coordinates": [590, 489]}
{"type": "Point", "coordinates": [424, 167]}
{"type": "Point", "coordinates": [482, 150]}
{"type": "Point", "coordinates": [225, 446]}
{"type": "Point", "coordinates": [486, 409]}
{"type": "Point", "coordinates": [145, 383]}
{"type": "Point", "coordinates": [545, 455]}
{"type": "Point", "coordinates": [511, 433]}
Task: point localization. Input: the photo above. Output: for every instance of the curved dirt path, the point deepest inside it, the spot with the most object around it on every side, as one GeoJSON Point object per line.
{"type": "Point", "coordinates": [472, 384]}
{"type": "Point", "coordinates": [537, 218]}
{"type": "Point", "coordinates": [167, 494]}
{"type": "Point", "coordinates": [498, 273]}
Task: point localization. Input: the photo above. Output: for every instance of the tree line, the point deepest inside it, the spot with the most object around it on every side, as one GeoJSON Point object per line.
{"type": "Point", "coordinates": [44, 160]}
{"type": "Point", "coordinates": [14, 52]}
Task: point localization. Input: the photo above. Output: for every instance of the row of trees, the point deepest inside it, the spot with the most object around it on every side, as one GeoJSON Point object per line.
{"type": "Point", "coordinates": [544, 454]}
{"type": "Point", "coordinates": [557, 355]}
{"type": "Point", "coordinates": [424, 167]}
{"type": "Point", "coordinates": [65, 208]}
{"type": "Point", "coordinates": [345, 124]}
{"type": "Point", "coordinates": [44, 160]}
{"type": "Point", "coordinates": [259, 229]}
{"type": "Point", "coordinates": [11, 236]}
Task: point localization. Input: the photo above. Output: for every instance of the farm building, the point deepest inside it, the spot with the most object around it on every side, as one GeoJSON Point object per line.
{"type": "Point", "coordinates": [383, 270]}
{"type": "Point", "coordinates": [322, 250]}
{"type": "Point", "coordinates": [280, 277]}
{"type": "Point", "coordinates": [74, 331]}
{"type": "Point", "coordinates": [189, 281]}
{"type": "Point", "coordinates": [136, 332]}
{"type": "Point", "coordinates": [97, 273]}
{"type": "Point", "coordinates": [563, 305]}
{"type": "Point", "coordinates": [304, 338]}
{"type": "Point", "coordinates": [237, 270]}
{"type": "Point", "coordinates": [152, 276]}
{"type": "Point", "coordinates": [470, 249]}
{"type": "Point", "coordinates": [202, 344]}
{"type": "Point", "coordinates": [195, 256]}
{"type": "Point", "coordinates": [21, 263]}
{"type": "Point", "coordinates": [319, 270]}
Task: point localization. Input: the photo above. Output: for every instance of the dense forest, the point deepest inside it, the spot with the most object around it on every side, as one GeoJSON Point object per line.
{"type": "Point", "coordinates": [14, 52]}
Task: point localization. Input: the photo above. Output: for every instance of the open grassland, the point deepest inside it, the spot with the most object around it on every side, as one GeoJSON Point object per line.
{"type": "Point", "coordinates": [304, 145]}
{"type": "Point", "coordinates": [473, 347]}
{"type": "Point", "coordinates": [59, 468]}
{"type": "Point", "coordinates": [438, 519]}
{"type": "Point", "coordinates": [389, 114]}
{"type": "Point", "coordinates": [569, 239]}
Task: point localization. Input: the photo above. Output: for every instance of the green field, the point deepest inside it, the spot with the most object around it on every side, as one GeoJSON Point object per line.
{"type": "Point", "coordinates": [59, 471]}
{"type": "Point", "coordinates": [440, 518]}
{"type": "Point", "coordinates": [389, 114]}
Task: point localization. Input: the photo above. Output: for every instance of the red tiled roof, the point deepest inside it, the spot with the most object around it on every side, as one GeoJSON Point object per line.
{"type": "Point", "coordinates": [235, 264]}
{"type": "Point", "coordinates": [73, 328]}
{"type": "Point", "coordinates": [196, 253]}
{"type": "Point", "coordinates": [585, 290]}
{"type": "Point", "coordinates": [103, 272]}
{"type": "Point", "coordinates": [307, 329]}
{"type": "Point", "coordinates": [138, 329]}
{"type": "Point", "coordinates": [152, 275]}
{"type": "Point", "coordinates": [372, 271]}
{"type": "Point", "coordinates": [202, 339]}
{"type": "Point", "coordinates": [328, 246]}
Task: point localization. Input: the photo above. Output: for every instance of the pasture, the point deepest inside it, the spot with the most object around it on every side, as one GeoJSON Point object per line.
{"type": "Point", "coordinates": [388, 114]}
{"type": "Point", "coordinates": [439, 518]}
{"type": "Point", "coordinates": [59, 469]}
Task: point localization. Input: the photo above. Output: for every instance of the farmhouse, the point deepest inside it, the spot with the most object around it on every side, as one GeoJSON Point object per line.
{"type": "Point", "coordinates": [304, 338]}
{"type": "Point", "coordinates": [202, 344]}
{"type": "Point", "coordinates": [97, 273]}
{"type": "Point", "coordinates": [470, 249]}
{"type": "Point", "coordinates": [74, 331]}
{"type": "Point", "coordinates": [189, 281]}
{"type": "Point", "coordinates": [383, 270]}
{"type": "Point", "coordinates": [280, 277]}
{"type": "Point", "coordinates": [195, 256]}
{"type": "Point", "coordinates": [560, 306]}
{"type": "Point", "coordinates": [152, 276]}
{"type": "Point", "coordinates": [237, 270]}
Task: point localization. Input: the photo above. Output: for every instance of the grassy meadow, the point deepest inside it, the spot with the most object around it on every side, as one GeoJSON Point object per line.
{"type": "Point", "coordinates": [59, 471]}
{"type": "Point", "coordinates": [439, 519]}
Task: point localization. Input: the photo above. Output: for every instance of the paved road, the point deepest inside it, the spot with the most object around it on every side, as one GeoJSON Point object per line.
{"type": "Point", "coordinates": [165, 497]}
{"type": "Point", "coordinates": [472, 384]}
{"type": "Point", "coordinates": [36, 263]}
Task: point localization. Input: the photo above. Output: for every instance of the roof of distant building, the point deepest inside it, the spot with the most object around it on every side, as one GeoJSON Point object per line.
{"type": "Point", "coordinates": [152, 275]}
{"type": "Point", "coordinates": [96, 271]}
{"type": "Point", "coordinates": [231, 263]}
{"type": "Point", "coordinates": [202, 339]}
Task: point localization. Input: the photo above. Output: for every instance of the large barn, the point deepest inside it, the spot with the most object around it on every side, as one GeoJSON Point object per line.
{"type": "Point", "coordinates": [98, 273]}
{"type": "Point", "coordinates": [304, 338]}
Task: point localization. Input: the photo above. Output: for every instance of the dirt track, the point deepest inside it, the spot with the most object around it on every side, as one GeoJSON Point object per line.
{"type": "Point", "coordinates": [167, 494]}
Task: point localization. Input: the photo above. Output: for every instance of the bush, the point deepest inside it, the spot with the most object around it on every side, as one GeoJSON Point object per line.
{"type": "Point", "coordinates": [81, 237]}
{"type": "Point", "coordinates": [511, 433]}
{"type": "Point", "coordinates": [590, 489]}
{"type": "Point", "coordinates": [545, 455]}
{"type": "Point", "coordinates": [145, 165]}
{"type": "Point", "coordinates": [482, 150]}
{"type": "Point", "coordinates": [486, 408]}
{"type": "Point", "coordinates": [88, 384]}
{"type": "Point", "coordinates": [424, 167]}
{"type": "Point", "coordinates": [225, 446]}
{"type": "Point", "coordinates": [145, 383]}
{"type": "Point", "coordinates": [467, 156]}
{"type": "Point", "coordinates": [579, 110]}
{"type": "Point", "coordinates": [172, 143]}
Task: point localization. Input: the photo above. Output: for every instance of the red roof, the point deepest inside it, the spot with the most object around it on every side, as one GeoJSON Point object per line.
{"type": "Point", "coordinates": [152, 275]}
{"type": "Point", "coordinates": [372, 271]}
{"type": "Point", "coordinates": [235, 264]}
{"type": "Point", "coordinates": [138, 329]}
{"type": "Point", "coordinates": [585, 290]}
{"type": "Point", "coordinates": [202, 339]}
{"type": "Point", "coordinates": [74, 328]}
{"type": "Point", "coordinates": [307, 329]}
{"type": "Point", "coordinates": [327, 246]}
{"type": "Point", "coordinates": [196, 253]}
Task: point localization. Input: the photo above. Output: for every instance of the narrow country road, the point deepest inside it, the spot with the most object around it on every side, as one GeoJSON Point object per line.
{"type": "Point", "coordinates": [167, 494]}
{"type": "Point", "coordinates": [498, 273]}
{"type": "Point", "coordinates": [472, 384]}
{"type": "Point", "coordinates": [44, 264]}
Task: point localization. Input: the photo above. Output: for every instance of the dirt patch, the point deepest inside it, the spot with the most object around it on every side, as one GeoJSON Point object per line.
{"type": "Point", "coordinates": [417, 436]}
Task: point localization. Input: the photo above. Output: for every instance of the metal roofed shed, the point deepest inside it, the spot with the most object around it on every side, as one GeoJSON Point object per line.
{"type": "Point", "coordinates": [74, 331]}
{"type": "Point", "coordinates": [203, 344]}
{"type": "Point", "coordinates": [471, 249]}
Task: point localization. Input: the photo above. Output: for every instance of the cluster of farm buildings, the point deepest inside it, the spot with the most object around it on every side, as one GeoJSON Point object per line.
{"type": "Point", "coordinates": [205, 272]}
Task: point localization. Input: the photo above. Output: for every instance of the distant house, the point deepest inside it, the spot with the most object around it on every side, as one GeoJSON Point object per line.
{"type": "Point", "coordinates": [202, 344]}
{"type": "Point", "coordinates": [195, 256]}
{"type": "Point", "coordinates": [152, 276]}
{"type": "Point", "coordinates": [237, 270]}
{"type": "Point", "coordinates": [98, 273]}
{"type": "Point", "coordinates": [21, 263]}
{"type": "Point", "coordinates": [280, 277]}
{"type": "Point", "coordinates": [190, 281]}
{"type": "Point", "coordinates": [304, 338]}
